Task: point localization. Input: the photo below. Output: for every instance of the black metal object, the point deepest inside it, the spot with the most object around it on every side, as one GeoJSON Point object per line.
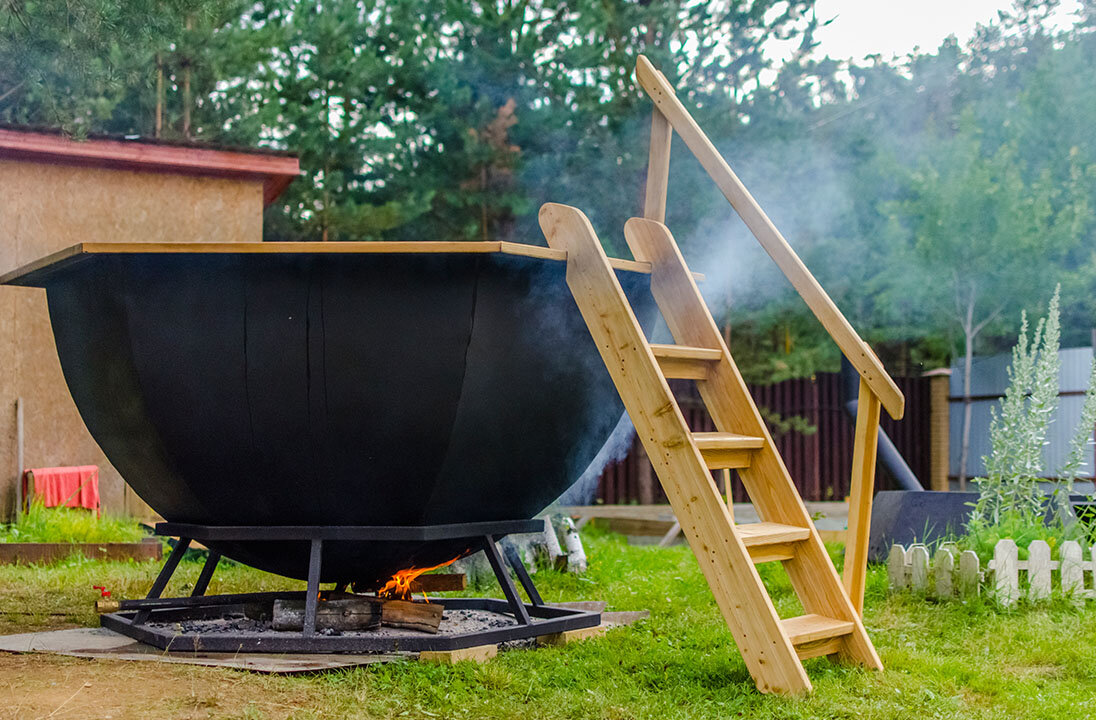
{"type": "Point", "coordinates": [889, 456]}
{"type": "Point", "coordinates": [533, 620]}
{"type": "Point", "coordinates": [331, 388]}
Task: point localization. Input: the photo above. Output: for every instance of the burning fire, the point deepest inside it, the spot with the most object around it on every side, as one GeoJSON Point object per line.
{"type": "Point", "coordinates": [399, 587]}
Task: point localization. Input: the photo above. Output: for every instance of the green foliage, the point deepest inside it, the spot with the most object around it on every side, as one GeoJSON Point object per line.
{"type": "Point", "coordinates": [950, 660]}
{"type": "Point", "coordinates": [928, 194]}
{"type": "Point", "coordinates": [1011, 502]}
{"type": "Point", "coordinates": [1018, 433]}
{"type": "Point", "coordinates": [70, 525]}
{"type": "Point", "coordinates": [981, 536]}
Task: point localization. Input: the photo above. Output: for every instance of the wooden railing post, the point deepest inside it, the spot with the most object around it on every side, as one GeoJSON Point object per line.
{"type": "Point", "coordinates": [658, 167]}
{"type": "Point", "coordinates": [860, 495]}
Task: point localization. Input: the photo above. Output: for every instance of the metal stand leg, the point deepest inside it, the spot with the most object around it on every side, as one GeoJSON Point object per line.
{"type": "Point", "coordinates": [516, 605]}
{"type": "Point", "coordinates": [165, 574]}
{"type": "Point", "coordinates": [514, 559]}
{"type": "Point", "coordinates": [312, 595]}
{"type": "Point", "coordinates": [207, 574]}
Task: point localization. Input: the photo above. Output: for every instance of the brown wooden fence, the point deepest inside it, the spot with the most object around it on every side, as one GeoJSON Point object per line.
{"type": "Point", "coordinates": [820, 462]}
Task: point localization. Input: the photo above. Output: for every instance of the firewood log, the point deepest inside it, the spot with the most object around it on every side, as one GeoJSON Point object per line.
{"type": "Point", "coordinates": [344, 613]}
{"type": "Point", "coordinates": [412, 615]}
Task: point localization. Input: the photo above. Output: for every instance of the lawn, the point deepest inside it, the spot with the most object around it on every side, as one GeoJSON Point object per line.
{"type": "Point", "coordinates": [943, 661]}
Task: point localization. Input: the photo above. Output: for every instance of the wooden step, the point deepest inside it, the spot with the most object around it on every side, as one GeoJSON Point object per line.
{"type": "Point", "coordinates": [685, 362]}
{"type": "Point", "coordinates": [771, 542]}
{"type": "Point", "coordinates": [722, 450]}
{"type": "Point", "coordinates": [815, 635]}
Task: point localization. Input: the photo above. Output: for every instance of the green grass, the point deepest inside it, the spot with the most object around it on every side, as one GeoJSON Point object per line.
{"type": "Point", "coordinates": [952, 660]}
{"type": "Point", "coordinates": [70, 525]}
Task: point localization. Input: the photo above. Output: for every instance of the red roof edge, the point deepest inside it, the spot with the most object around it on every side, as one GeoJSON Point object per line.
{"type": "Point", "coordinates": [275, 170]}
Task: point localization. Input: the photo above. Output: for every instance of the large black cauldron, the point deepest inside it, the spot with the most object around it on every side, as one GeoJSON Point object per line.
{"type": "Point", "coordinates": [293, 386]}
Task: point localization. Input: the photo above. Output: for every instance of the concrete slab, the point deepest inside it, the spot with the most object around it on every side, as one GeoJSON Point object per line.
{"type": "Point", "coordinates": [103, 643]}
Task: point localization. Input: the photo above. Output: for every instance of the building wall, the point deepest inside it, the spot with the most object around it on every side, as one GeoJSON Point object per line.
{"type": "Point", "coordinates": [988, 382]}
{"type": "Point", "coordinates": [45, 208]}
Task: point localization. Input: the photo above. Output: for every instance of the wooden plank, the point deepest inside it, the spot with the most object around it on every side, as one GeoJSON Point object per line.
{"type": "Point", "coordinates": [727, 450]}
{"type": "Point", "coordinates": [658, 168]}
{"type": "Point", "coordinates": [819, 648]}
{"type": "Point", "coordinates": [728, 459]}
{"type": "Point", "coordinates": [896, 568]}
{"type": "Point", "coordinates": [727, 441]}
{"type": "Point", "coordinates": [728, 400]}
{"type": "Point", "coordinates": [1038, 570]}
{"type": "Point", "coordinates": [839, 328]}
{"type": "Point", "coordinates": [772, 553]}
{"type": "Point", "coordinates": [970, 580]}
{"type": "Point", "coordinates": [919, 568]}
{"type": "Point", "coordinates": [1006, 579]}
{"type": "Point", "coordinates": [810, 627]}
{"type": "Point", "coordinates": [943, 569]}
{"type": "Point", "coordinates": [865, 444]}
{"type": "Point", "coordinates": [571, 636]}
{"type": "Point", "coordinates": [75, 252]}
{"type": "Point", "coordinates": [684, 351]}
{"type": "Point", "coordinates": [722, 557]}
{"type": "Point", "coordinates": [767, 533]}
{"type": "Point", "coordinates": [478, 654]}
{"type": "Point", "coordinates": [1072, 572]}
{"type": "Point", "coordinates": [684, 363]}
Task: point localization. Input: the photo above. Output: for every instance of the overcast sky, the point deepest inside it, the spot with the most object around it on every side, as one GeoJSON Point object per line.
{"type": "Point", "coordinates": [895, 27]}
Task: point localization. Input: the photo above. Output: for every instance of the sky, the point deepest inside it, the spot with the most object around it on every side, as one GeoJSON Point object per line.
{"type": "Point", "coordinates": [896, 27]}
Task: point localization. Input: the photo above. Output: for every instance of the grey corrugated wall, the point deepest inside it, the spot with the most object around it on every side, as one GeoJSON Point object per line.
{"type": "Point", "coordinates": [989, 378]}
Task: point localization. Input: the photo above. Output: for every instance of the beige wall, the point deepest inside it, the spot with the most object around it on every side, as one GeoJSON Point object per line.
{"type": "Point", "coordinates": [45, 208]}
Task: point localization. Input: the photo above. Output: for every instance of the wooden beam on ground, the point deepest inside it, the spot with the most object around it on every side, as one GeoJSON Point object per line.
{"type": "Point", "coordinates": [478, 654]}
{"type": "Point", "coordinates": [569, 636]}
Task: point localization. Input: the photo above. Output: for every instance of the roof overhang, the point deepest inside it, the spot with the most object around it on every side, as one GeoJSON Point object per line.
{"type": "Point", "coordinates": [274, 170]}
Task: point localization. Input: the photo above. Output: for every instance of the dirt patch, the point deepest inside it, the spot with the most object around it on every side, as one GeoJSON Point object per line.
{"type": "Point", "coordinates": [37, 686]}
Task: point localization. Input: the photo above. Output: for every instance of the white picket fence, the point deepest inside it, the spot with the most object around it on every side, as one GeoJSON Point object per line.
{"type": "Point", "coordinates": [952, 573]}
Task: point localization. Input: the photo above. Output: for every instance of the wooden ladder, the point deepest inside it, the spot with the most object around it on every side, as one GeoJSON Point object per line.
{"type": "Point", "coordinates": [772, 647]}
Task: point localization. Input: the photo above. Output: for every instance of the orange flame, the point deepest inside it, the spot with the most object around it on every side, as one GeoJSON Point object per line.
{"type": "Point", "coordinates": [399, 587]}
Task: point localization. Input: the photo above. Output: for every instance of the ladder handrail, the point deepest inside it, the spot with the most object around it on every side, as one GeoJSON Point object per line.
{"type": "Point", "coordinates": [859, 353]}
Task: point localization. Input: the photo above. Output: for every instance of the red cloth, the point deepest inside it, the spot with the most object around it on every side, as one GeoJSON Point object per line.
{"type": "Point", "coordinates": [69, 486]}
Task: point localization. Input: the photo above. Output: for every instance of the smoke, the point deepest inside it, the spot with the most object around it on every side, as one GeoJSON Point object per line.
{"type": "Point", "coordinates": [615, 448]}
{"type": "Point", "coordinates": [802, 186]}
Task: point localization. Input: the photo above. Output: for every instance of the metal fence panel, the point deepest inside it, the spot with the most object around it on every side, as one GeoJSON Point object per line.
{"type": "Point", "coordinates": [988, 380]}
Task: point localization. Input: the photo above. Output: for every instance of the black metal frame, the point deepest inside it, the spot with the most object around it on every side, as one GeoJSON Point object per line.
{"type": "Point", "coordinates": [533, 620]}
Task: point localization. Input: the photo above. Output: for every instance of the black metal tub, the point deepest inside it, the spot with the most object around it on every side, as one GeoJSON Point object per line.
{"type": "Point", "coordinates": [333, 384]}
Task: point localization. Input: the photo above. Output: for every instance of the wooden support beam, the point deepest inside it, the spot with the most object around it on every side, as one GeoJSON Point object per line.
{"type": "Point", "coordinates": [862, 487]}
{"type": "Point", "coordinates": [658, 167]}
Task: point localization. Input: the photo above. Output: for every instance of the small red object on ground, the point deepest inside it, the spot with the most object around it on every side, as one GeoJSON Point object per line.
{"type": "Point", "coordinates": [103, 592]}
